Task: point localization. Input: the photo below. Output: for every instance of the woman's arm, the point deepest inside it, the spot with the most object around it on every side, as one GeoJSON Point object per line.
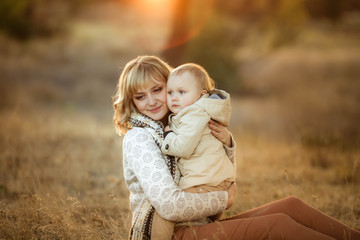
{"type": "Point", "coordinates": [220, 132]}
{"type": "Point", "coordinates": [144, 158]}
{"type": "Point", "coordinates": [223, 135]}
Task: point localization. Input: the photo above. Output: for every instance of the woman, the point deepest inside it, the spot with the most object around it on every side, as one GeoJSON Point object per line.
{"type": "Point", "coordinates": [141, 112]}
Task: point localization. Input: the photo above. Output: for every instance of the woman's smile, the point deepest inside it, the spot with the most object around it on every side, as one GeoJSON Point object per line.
{"type": "Point", "coordinates": [154, 110]}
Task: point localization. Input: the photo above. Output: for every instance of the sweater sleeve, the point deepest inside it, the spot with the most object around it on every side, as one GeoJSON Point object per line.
{"type": "Point", "coordinates": [230, 151]}
{"type": "Point", "coordinates": [145, 161]}
{"type": "Point", "coordinates": [188, 134]}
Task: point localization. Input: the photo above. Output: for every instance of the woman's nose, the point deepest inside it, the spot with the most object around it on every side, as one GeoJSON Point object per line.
{"type": "Point", "coordinates": [152, 100]}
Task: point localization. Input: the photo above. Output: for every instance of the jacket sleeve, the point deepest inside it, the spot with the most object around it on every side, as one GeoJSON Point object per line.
{"type": "Point", "coordinates": [145, 161]}
{"type": "Point", "coordinates": [184, 141]}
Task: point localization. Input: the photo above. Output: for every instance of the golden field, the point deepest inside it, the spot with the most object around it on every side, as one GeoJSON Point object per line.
{"type": "Point", "coordinates": [296, 126]}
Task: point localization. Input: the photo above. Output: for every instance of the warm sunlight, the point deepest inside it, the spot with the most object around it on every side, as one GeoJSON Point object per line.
{"type": "Point", "coordinates": [152, 23]}
{"type": "Point", "coordinates": [164, 24]}
{"type": "Point", "coordinates": [189, 20]}
{"type": "Point", "coordinates": [155, 1]}
{"type": "Point", "coordinates": [154, 7]}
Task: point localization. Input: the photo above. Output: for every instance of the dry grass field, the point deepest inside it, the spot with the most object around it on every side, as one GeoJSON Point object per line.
{"type": "Point", "coordinates": [297, 132]}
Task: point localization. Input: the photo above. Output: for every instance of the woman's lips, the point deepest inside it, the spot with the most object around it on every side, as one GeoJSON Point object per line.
{"type": "Point", "coordinates": [154, 110]}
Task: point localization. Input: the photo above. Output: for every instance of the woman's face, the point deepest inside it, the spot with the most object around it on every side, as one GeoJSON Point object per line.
{"type": "Point", "coordinates": [151, 101]}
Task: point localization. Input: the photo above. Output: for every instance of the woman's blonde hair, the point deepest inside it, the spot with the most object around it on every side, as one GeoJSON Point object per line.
{"type": "Point", "coordinates": [138, 73]}
{"type": "Point", "coordinates": [200, 74]}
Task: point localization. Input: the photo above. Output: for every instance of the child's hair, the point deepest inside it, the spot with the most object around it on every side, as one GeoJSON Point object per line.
{"type": "Point", "coordinates": [138, 73]}
{"type": "Point", "coordinates": [200, 74]}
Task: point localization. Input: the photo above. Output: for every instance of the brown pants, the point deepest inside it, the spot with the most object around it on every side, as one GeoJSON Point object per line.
{"type": "Point", "coordinates": [289, 218]}
{"type": "Point", "coordinates": [163, 229]}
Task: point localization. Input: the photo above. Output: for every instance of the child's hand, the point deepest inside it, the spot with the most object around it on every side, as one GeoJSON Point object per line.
{"type": "Point", "coordinates": [167, 128]}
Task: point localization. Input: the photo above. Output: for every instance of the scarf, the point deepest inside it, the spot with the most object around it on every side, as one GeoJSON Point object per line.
{"type": "Point", "coordinates": [141, 228]}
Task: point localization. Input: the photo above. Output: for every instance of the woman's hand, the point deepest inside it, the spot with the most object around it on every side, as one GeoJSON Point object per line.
{"type": "Point", "coordinates": [220, 132]}
{"type": "Point", "coordinates": [231, 195]}
{"type": "Point", "coordinates": [167, 128]}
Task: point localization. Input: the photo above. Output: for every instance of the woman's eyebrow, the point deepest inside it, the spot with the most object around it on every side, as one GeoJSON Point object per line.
{"type": "Point", "coordinates": [156, 86]}
{"type": "Point", "coordinates": [138, 93]}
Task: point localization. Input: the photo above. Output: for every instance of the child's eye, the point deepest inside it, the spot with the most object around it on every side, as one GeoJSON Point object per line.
{"type": "Point", "coordinates": [181, 91]}
{"type": "Point", "coordinates": [170, 93]}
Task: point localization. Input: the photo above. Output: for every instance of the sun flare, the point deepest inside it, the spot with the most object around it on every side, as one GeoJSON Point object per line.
{"type": "Point", "coordinates": [158, 6]}
{"type": "Point", "coordinates": [165, 24]}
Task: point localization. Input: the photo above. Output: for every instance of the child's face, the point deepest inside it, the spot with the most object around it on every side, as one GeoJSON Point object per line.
{"type": "Point", "coordinates": [182, 91]}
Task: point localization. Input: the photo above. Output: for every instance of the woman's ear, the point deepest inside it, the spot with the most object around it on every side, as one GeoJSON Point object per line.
{"type": "Point", "coordinates": [203, 92]}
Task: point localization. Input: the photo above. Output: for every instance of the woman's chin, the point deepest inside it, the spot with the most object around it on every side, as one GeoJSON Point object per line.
{"type": "Point", "coordinates": [158, 116]}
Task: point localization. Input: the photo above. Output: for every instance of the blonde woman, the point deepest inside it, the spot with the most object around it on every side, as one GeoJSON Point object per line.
{"type": "Point", "coordinates": [141, 113]}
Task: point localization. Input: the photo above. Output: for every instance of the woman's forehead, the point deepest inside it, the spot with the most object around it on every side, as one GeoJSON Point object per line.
{"type": "Point", "coordinates": [148, 86]}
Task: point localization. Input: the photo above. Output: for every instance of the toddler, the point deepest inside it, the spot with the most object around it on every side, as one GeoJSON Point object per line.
{"type": "Point", "coordinates": [201, 158]}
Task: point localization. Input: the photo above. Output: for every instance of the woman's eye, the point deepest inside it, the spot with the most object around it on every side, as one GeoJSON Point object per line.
{"type": "Point", "coordinates": [139, 97]}
{"type": "Point", "coordinates": [158, 89]}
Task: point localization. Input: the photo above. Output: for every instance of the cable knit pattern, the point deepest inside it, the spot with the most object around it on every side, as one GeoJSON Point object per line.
{"type": "Point", "coordinates": [148, 177]}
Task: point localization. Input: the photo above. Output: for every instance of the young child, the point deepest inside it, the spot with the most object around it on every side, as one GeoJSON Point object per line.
{"type": "Point", "coordinates": [202, 159]}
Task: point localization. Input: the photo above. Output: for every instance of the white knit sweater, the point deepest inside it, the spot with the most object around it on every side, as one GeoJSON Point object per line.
{"type": "Point", "coordinates": [148, 177]}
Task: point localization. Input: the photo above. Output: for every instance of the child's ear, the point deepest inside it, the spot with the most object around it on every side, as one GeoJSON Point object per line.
{"type": "Point", "coordinates": [203, 92]}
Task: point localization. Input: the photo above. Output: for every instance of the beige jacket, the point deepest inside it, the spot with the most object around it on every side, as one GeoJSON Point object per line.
{"type": "Point", "coordinates": [203, 159]}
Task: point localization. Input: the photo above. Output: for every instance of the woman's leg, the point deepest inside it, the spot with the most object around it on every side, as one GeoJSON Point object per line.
{"type": "Point", "coordinates": [273, 226]}
{"type": "Point", "coordinates": [305, 215]}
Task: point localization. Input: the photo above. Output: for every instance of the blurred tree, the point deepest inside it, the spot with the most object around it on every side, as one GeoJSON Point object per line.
{"type": "Point", "coordinates": [272, 23]}
{"type": "Point", "coordinates": [13, 17]}
{"type": "Point", "coordinates": [277, 21]}
{"type": "Point", "coordinates": [213, 48]}
{"type": "Point", "coordinates": [328, 9]}
{"type": "Point", "coordinates": [332, 10]}
{"type": "Point", "coordinates": [200, 35]}
{"type": "Point", "coordinates": [174, 52]}
{"type": "Point", "coordinates": [283, 21]}
{"type": "Point", "coordinates": [352, 5]}
{"type": "Point", "coordinates": [23, 19]}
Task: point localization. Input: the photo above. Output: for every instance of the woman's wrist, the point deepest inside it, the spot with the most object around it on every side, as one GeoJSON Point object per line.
{"type": "Point", "coordinates": [228, 141]}
{"type": "Point", "coordinates": [231, 195]}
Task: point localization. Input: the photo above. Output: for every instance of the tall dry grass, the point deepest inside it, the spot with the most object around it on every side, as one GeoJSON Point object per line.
{"type": "Point", "coordinates": [297, 124]}
{"type": "Point", "coordinates": [61, 177]}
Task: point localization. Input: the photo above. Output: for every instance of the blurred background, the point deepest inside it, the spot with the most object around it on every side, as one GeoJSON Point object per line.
{"type": "Point", "coordinates": [292, 68]}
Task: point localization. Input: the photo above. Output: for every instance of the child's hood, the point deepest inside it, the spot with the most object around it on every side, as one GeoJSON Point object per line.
{"type": "Point", "coordinates": [217, 105]}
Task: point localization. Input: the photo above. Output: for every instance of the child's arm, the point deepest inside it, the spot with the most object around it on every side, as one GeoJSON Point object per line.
{"type": "Point", "coordinates": [183, 144]}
